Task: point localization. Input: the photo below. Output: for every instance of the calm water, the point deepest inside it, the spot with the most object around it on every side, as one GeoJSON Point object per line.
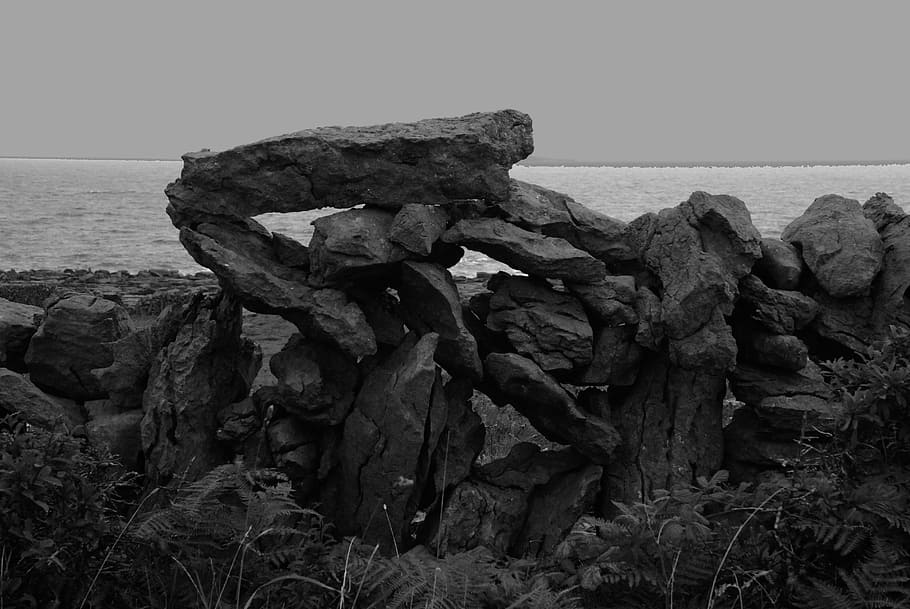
{"type": "Point", "coordinates": [58, 214]}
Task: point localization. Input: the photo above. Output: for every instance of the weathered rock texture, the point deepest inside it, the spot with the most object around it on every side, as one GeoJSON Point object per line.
{"type": "Point", "coordinates": [72, 341]}
{"type": "Point", "coordinates": [371, 413]}
{"type": "Point", "coordinates": [206, 367]}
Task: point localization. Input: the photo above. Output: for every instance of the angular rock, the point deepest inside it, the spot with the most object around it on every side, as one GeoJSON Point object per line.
{"type": "Point", "coordinates": [845, 325]}
{"type": "Point", "coordinates": [839, 245]}
{"type": "Point", "coordinates": [780, 265]}
{"type": "Point", "coordinates": [18, 322]}
{"type": "Point", "coordinates": [317, 382]}
{"type": "Point", "coordinates": [616, 358]}
{"type": "Point", "coordinates": [426, 162]}
{"type": "Point", "coordinates": [710, 348]}
{"type": "Point", "coordinates": [547, 326]}
{"type": "Point", "coordinates": [555, 508]}
{"type": "Point", "coordinates": [699, 250]}
{"type": "Point", "coordinates": [527, 466]}
{"type": "Point", "coordinates": [611, 301]}
{"type": "Point", "coordinates": [670, 423]}
{"type": "Point", "coordinates": [417, 227]}
{"type": "Point", "coordinates": [119, 433]}
{"type": "Point", "coordinates": [430, 303]}
{"type": "Point", "coordinates": [775, 350]}
{"type": "Point", "coordinates": [351, 246]}
{"type": "Point", "coordinates": [492, 508]}
{"type": "Point", "coordinates": [882, 210]}
{"type": "Point", "coordinates": [549, 408]}
{"type": "Point", "coordinates": [18, 394]}
{"type": "Point", "coordinates": [72, 341]}
{"type": "Point", "coordinates": [526, 251]}
{"type": "Point", "coordinates": [291, 253]}
{"type": "Point", "coordinates": [386, 445]}
{"type": "Point", "coordinates": [783, 397]}
{"type": "Point", "coordinates": [891, 291]}
{"type": "Point", "coordinates": [204, 369]}
{"type": "Point", "coordinates": [554, 214]}
{"type": "Point", "coordinates": [246, 263]}
{"type": "Point", "coordinates": [477, 514]}
{"type": "Point", "coordinates": [779, 311]}
{"type": "Point", "coordinates": [461, 440]}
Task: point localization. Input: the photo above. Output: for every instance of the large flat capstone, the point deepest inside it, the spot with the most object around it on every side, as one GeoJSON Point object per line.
{"type": "Point", "coordinates": [426, 162]}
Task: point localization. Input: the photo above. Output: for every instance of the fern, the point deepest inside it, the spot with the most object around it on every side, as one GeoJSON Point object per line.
{"type": "Point", "coordinates": [881, 580]}
{"type": "Point", "coordinates": [417, 578]}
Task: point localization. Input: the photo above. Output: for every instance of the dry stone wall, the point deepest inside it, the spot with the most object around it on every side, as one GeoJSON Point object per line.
{"type": "Point", "coordinates": [618, 341]}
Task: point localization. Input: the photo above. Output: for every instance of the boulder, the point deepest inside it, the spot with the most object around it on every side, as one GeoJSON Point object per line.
{"type": "Point", "coordinates": [780, 265]}
{"type": "Point", "coordinates": [492, 508]}
{"type": "Point", "coordinates": [353, 246]}
{"type": "Point", "coordinates": [18, 322]}
{"type": "Point", "coordinates": [671, 429]}
{"type": "Point", "coordinates": [778, 311]}
{"type": "Point", "coordinates": [477, 514]}
{"type": "Point", "coordinates": [891, 292]}
{"type": "Point", "coordinates": [18, 394]}
{"type": "Point", "coordinates": [461, 440]}
{"type": "Point", "coordinates": [528, 466]}
{"type": "Point", "coordinates": [126, 378]}
{"type": "Point", "coordinates": [385, 448]}
{"type": "Point", "coordinates": [710, 348]}
{"type": "Point", "coordinates": [72, 341]}
{"type": "Point", "coordinates": [430, 303]}
{"type": "Point", "coordinates": [425, 162]}
{"type": "Point", "coordinates": [611, 301]}
{"type": "Point", "coordinates": [699, 250]}
{"type": "Point", "coordinates": [526, 251]}
{"type": "Point", "coordinates": [417, 227]}
{"type": "Point", "coordinates": [882, 210]}
{"type": "Point", "coordinates": [846, 326]}
{"type": "Point", "coordinates": [550, 409]}
{"type": "Point", "coordinates": [545, 325]}
{"type": "Point", "coordinates": [839, 245]}
{"type": "Point", "coordinates": [317, 382]}
{"type": "Point", "coordinates": [206, 367]}
{"type": "Point", "coordinates": [244, 261]}
{"type": "Point", "coordinates": [554, 214]}
{"type": "Point", "coordinates": [118, 433]}
{"type": "Point", "coordinates": [783, 398]}
{"type": "Point", "coordinates": [291, 253]}
{"type": "Point", "coordinates": [555, 508]}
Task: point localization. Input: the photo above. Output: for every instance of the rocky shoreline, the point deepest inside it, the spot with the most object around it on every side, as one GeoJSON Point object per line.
{"type": "Point", "coordinates": [617, 341]}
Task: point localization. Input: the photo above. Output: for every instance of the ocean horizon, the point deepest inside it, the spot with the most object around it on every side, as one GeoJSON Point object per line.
{"type": "Point", "coordinates": [109, 214]}
{"type": "Point", "coordinates": [533, 161]}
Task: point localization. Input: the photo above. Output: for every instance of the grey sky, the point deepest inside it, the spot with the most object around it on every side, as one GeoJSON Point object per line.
{"type": "Point", "coordinates": [609, 81]}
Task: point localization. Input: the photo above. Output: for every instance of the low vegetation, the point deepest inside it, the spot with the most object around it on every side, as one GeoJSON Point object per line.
{"type": "Point", "coordinates": [831, 532]}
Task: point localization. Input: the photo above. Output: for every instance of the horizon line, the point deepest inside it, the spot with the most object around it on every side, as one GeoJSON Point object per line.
{"type": "Point", "coordinates": [533, 161]}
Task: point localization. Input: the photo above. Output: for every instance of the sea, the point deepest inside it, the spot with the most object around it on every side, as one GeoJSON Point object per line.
{"type": "Point", "coordinates": [110, 214]}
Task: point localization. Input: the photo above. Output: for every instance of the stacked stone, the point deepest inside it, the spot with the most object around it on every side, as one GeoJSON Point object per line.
{"type": "Point", "coordinates": [609, 337]}
{"type": "Point", "coordinates": [830, 287]}
{"type": "Point", "coordinates": [616, 340]}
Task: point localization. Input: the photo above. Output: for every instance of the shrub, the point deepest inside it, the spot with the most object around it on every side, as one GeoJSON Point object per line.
{"type": "Point", "coordinates": [57, 517]}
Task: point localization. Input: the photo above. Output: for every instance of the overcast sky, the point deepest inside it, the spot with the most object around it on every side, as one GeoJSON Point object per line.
{"type": "Point", "coordinates": [605, 81]}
